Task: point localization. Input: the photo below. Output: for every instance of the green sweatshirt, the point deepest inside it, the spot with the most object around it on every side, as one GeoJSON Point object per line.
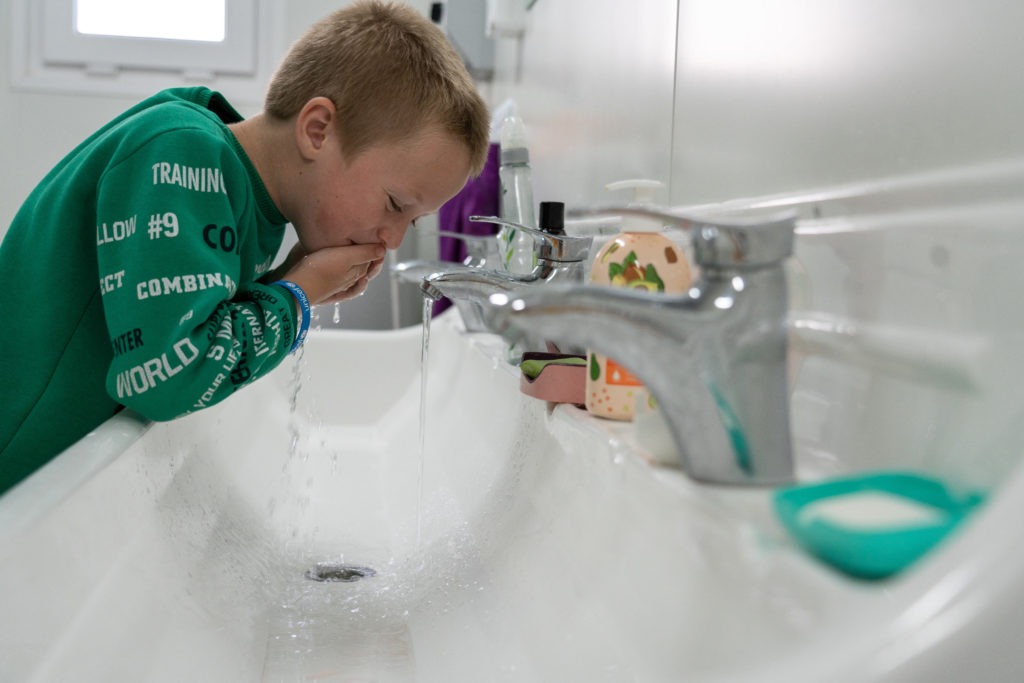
{"type": "Point", "coordinates": [130, 278]}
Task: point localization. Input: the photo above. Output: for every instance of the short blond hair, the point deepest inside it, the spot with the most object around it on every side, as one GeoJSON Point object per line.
{"type": "Point", "coordinates": [390, 73]}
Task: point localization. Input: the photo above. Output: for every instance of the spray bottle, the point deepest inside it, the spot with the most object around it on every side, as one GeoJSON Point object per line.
{"type": "Point", "coordinates": [516, 248]}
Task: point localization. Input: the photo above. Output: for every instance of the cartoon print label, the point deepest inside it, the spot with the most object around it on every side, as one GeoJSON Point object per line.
{"type": "Point", "coordinates": [617, 375]}
{"type": "Point", "coordinates": [631, 273]}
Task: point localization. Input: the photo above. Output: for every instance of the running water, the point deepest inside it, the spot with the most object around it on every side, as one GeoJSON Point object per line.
{"type": "Point", "coordinates": [293, 400]}
{"type": "Point", "coordinates": [428, 309]}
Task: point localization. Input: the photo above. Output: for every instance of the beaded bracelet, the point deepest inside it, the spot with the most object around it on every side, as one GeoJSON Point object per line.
{"type": "Point", "coordinates": [303, 300]}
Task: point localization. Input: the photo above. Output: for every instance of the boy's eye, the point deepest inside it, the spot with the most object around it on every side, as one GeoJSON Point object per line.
{"type": "Point", "coordinates": [393, 205]}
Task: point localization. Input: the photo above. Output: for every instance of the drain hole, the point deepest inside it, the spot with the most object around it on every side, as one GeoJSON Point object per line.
{"type": "Point", "coordinates": [325, 571]}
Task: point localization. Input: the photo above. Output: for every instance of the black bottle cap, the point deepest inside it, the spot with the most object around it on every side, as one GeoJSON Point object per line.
{"type": "Point", "coordinates": [552, 218]}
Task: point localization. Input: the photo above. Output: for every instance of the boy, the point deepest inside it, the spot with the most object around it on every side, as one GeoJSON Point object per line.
{"type": "Point", "coordinates": [136, 273]}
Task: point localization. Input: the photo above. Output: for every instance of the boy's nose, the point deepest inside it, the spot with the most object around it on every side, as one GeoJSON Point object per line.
{"type": "Point", "coordinates": [391, 235]}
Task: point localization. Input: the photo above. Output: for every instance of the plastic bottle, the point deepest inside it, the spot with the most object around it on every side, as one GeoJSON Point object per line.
{"type": "Point", "coordinates": [516, 248]}
{"type": "Point", "coordinates": [638, 257]}
{"type": "Point", "coordinates": [552, 221]}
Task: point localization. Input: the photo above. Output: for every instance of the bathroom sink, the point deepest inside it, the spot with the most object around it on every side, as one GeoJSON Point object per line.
{"type": "Point", "coordinates": [298, 532]}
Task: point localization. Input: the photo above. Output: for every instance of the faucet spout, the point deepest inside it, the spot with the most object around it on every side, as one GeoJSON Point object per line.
{"type": "Point", "coordinates": [468, 288]}
{"type": "Point", "coordinates": [415, 271]}
{"type": "Point", "coordinates": [559, 258]}
{"type": "Point", "coordinates": [720, 382]}
{"type": "Point", "coordinates": [469, 284]}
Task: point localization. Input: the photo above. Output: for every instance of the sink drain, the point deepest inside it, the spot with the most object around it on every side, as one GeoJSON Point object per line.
{"type": "Point", "coordinates": [347, 573]}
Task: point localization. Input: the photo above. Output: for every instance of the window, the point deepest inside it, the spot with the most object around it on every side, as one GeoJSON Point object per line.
{"type": "Point", "coordinates": [139, 46]}
{"type": "Point", "coordinates": [201, 20]}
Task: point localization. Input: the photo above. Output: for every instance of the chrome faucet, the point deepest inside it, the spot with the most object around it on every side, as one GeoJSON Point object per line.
{"type": "Point", "coordinates": [714, 358]}
{"type": "Point", "coordinates": [482, 253]}
{"type": "Point", "coordinates": [560, 258]}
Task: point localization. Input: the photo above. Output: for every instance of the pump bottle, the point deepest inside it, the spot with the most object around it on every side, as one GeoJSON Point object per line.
{"type": "Point", "coordinates": [643, 258]}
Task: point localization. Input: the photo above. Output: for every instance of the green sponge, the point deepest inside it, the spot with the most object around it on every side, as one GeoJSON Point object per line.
{"type": "Point", "coordinates": [532, 367]}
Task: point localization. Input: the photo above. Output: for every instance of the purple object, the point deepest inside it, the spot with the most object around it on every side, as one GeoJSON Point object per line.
{"type": "Point", "coordinates": [480, 197]}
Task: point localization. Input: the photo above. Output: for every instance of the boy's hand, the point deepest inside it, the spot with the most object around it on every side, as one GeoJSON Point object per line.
{"type": "Point", "coordinates": [335, 273]}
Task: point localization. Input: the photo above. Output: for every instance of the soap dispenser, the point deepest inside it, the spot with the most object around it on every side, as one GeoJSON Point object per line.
{"type": "Point", "coordinates": [643, 258]}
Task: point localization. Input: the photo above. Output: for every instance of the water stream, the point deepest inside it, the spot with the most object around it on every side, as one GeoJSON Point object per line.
{"type": "Point", "coordinates": [428, 310]}
{"type": "Point", "coordinates": [325, 628]}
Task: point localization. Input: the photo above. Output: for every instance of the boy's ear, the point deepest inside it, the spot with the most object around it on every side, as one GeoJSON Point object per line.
{"type": "Point", "coordinates": [314, 125]}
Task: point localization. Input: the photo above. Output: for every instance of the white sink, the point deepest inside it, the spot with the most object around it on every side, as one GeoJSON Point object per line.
{"type": "Point", "coordinates": [548, 548]}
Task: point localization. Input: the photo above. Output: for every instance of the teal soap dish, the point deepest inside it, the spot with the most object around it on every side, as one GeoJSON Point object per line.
{"type": "Point", "coordinates": [873, 525]}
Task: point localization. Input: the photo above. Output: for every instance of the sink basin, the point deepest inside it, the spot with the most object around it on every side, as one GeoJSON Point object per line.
{"type": "Point", "coordinates": [525, 544]}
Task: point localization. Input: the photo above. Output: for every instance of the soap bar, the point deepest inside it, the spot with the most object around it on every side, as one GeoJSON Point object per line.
{"type": "Point", "coordinates": [873, 525]}
{"type": "Point", "coordinates": [872, 510]}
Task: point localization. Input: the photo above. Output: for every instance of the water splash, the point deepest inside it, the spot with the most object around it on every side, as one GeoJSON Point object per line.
{"type": "Point", "coordinates": [295, 385]}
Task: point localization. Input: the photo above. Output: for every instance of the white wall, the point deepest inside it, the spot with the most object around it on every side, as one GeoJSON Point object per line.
{"type": "Point", "coordinates": [595, 92]}
{"type": "Point", "coordinates": [732, 98]}
{"type": "Point", "coordinates": [792, 94]}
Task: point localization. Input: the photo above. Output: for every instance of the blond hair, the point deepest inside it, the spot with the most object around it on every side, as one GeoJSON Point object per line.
{"type": "Point", "coordinates": [390, 73]}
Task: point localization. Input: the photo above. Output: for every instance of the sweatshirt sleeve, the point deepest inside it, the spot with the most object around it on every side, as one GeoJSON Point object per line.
{"type": "Point", "coordinates": [188, 323]}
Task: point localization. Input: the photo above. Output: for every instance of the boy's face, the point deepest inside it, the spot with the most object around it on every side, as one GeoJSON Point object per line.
{"type": "Point", "coordinates": [375, 197]}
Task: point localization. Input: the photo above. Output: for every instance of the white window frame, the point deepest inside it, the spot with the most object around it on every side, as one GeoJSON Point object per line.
{"type": "Point", "coordinates": [50, 55]}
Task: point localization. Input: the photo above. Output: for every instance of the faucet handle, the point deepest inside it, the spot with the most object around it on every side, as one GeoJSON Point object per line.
{"type": "Point", "coordinates": [739, 242]}
{"type": "Point", "coordinates": [456, 235]}
{"type": "Point", "coordinates": [563, 248]}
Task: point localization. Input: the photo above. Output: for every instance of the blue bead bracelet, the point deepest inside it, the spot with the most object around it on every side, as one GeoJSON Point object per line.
{"type": "Point", "coordinates": [303, 300]}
